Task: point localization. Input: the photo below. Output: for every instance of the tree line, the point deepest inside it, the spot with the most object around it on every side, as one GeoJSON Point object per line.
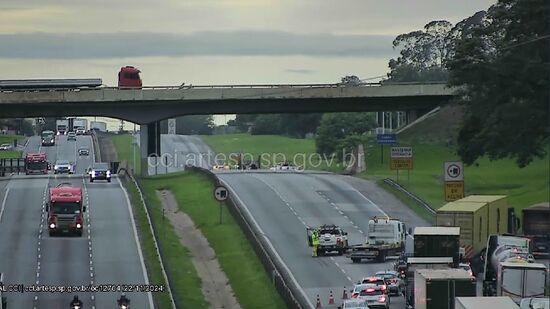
{"type": "Point", "coordinates": [497, 58]}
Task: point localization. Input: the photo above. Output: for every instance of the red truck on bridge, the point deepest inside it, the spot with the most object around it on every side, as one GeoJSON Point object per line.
{"type": "Point", "coordinates": [66, 210]}
{"type": "Point", "coordinates": [129, 78]}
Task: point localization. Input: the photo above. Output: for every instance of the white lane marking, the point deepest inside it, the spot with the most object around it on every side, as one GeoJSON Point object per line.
{"type": "Point", "coordinates": [144, 270]}
{"type": "Point", "coordinates": [245, 208]}
{"type": "Point", "coordinates": [39, 244]}
{"type": "Point", "coordinates": [4, 202]}
{"type": "Point", "coordinates": [362, 195]}
{"type": "Point", "coordinates": [89, 232]}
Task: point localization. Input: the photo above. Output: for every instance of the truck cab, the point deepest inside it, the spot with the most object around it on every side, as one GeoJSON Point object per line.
{"type": "Point", "coordinates": [65, 210]}
{"type": "Point", "coordinates": [36, 163]}
{"type": "Point", "coordinates": [128, 78]}
{"type": "Point", "coordinates": [385, 237]}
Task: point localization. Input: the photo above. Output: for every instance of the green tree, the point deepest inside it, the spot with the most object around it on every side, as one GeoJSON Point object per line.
{"type": "Point", "coordinates": [338, 131]}
{"type": "Point", "coordinates": [501, 68]}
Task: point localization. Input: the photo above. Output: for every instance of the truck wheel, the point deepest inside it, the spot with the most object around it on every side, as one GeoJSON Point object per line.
{"type": "Point", "coordinates": [91, 179]}
{"type": "Point", "coordinates": [381, 257]}
{"type": "Point", "coordinates": [79, 233]}
{"type": "Point", "coordinates": [355, 260]}
{"type": "Point", "coordinates": [52, 233]}
{"type": "Point", "coordinates": [109, 180]}
{"type": "Point", "coordinates": [340, 252]}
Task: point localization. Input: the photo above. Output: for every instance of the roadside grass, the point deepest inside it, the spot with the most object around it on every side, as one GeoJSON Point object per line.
{"type": "Point", "coordinates": [237, 258]}
{"type": "Point", "coordinates": [8, 139]}
{"type": "Point", "coordinates": [124, 146]}
{"type": "Point", "coordinates": [154, 271]}
{"type": "Point", "coordinates": [524, 186]}
{"type": "Point", "coordinates": [186, 283]}
{"type": "Point", "coordinates": [273, 148]}
{"type": "Point", "coordinates": [7, 154]}
{"type": "Point", "coordinates": [432, 142]}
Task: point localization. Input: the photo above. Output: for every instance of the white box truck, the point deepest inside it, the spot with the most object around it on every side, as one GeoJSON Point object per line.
{"type": "Point", "coordinates": [521, 280]}
{"type": "Point", "coordinates": [501, 302]}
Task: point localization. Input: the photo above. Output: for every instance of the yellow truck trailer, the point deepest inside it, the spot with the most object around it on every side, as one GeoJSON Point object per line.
{"type": "Point", "coordinates": [478, 216]}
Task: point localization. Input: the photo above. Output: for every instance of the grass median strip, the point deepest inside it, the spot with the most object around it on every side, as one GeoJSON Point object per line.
{"type": "Point", "coordinates": [237, 258]}
{"type": "Point", "coordinates": [186, 284]}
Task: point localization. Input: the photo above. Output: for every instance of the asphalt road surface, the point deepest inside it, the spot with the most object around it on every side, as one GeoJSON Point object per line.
{"type": "Point", "coordinates": [107, 256]}
{"type": "Point", "coordinates": [285, 203]}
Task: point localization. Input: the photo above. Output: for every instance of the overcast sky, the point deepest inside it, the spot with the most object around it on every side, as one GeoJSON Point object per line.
{"type": "Point", "coordinates": [212, 41]}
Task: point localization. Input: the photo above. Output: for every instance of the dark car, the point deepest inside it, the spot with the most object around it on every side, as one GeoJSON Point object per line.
{"type": "Point", "coordinates": [100, 171]}
{"type": "Point", "coordinates": [83, 152]}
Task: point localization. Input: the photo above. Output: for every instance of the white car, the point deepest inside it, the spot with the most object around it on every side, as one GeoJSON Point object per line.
{"type": "Point", "coordinates": [354, 304]}
{"type": "Point", "coordinates": [283, 167]}
{"type": "Point", "coordinates": [535, 303]}
{"type": "Point", "coordinates": [63, 166]}
{"type": "Point", "coordinates": [466, 267]}
{"type": "Point", "coordinates": [6, 147]}
{"type": "Point", "coordinates": [375, 296]}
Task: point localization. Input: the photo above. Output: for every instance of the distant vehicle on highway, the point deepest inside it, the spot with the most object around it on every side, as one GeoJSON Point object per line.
{"type": "Point", "coordinates": [375, 296]}
{"type": "Point", "coordinates": [100, 171]}
{"type": "Point", "coordinates": [47, 138]}
{"type": "Point", "coordinates": [83, 151]}
{"type": "Point", "coordinates": [128, 77]}
{"type": "Point", "coordinates": [80, 132]}
{"type": "Point", "coordinates": [63, 166]}
{"type": "Point", "coordinates": [71, 136]}
{"type": "Point", "coordinates": [395, 284]}
{"type": "Point", "coordinates": [285, 166]}
{"type": "Point", "coordinates": [6, 147]}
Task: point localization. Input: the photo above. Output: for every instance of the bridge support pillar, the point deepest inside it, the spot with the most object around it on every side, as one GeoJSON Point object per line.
{"type": "Point", "coordinates": [150, 147]}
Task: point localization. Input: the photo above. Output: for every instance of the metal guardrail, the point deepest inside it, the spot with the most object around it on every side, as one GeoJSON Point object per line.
{"type": "Point", "coordinates": [418, 200]}
{"type": "Point", "coordinates": [152, 227]}
{"type": "Point", "coordinates": [280, 277]}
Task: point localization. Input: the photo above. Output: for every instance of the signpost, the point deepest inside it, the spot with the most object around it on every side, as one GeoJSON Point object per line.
{"type": "Point", "coordinates": [385, 139]}
{"type": "Point", "coordinates": [454, 180]}
{"type": "Point", "coordinates": [221, 194]}
{"type": "Point", "coordinates": [172, 126]}
{"type": "Point", "coordinates": [401, 158]}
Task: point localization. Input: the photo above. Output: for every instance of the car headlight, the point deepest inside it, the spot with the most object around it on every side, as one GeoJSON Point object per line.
{"type": "Point", "coordinates": [78, 225]}
{"type": "Point", "coordinates": [52, 225]}
{"type": "Point", "coordinates": [51, 141]}
{"type": "Point", "coordinates": [56, 167]}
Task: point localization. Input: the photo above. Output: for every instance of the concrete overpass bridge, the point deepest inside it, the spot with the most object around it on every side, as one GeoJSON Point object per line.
{"type": "Point", "coordinates": [149, 105]}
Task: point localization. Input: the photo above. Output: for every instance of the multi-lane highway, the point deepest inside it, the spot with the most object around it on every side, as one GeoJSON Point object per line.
{"type": "Point", "coordinates": [284, 203]}
{"type": "Point", "coordinates": [107, 253]}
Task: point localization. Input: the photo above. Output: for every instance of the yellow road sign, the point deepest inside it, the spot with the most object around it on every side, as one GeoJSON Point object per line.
{"type": "Point", "coordinates": [401, 164]}
{"type": "Point", "coordinates": [454, 190]}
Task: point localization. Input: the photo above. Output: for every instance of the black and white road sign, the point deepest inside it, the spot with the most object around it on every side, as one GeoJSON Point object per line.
{"type": "Point", "coordinates": [454, 171]}
{"type": "Point", "coordinates": [221, 193]}
{"type": "Point", "coordinates": [172, 126]}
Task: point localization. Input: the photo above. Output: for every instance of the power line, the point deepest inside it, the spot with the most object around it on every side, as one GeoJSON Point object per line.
{"type": "Point", "coordinates": [526, 42]}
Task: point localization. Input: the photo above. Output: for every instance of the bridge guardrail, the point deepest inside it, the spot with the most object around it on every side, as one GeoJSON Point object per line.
{"type": "Point", "coordinates": [238, 86]}
{"type": "Point", "coordinates": [280, 276]}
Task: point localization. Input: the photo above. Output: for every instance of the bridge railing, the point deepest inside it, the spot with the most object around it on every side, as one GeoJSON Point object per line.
{"type": "Point", "coordinates": [236, 86]}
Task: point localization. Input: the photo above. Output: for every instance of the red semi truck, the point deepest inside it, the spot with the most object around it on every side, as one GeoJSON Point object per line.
{"type": "Point", "coordinates": [66, 210]}
{"type": "Point", "coordinates": [36, 163]}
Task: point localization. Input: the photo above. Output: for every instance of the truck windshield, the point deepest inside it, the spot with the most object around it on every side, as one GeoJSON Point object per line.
{"type": "Point", "coordinates": [37, 165]}
{"type": "Point", "coordinates": [66, 208]}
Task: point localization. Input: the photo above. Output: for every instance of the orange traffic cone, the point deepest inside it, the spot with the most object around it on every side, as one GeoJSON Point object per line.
{"type": "Point", "coordinates": [345, 294]}
{"type": "Point", "coordinates": [318, 302]}
{"type": "Point", "coordinates": [331, 299]}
